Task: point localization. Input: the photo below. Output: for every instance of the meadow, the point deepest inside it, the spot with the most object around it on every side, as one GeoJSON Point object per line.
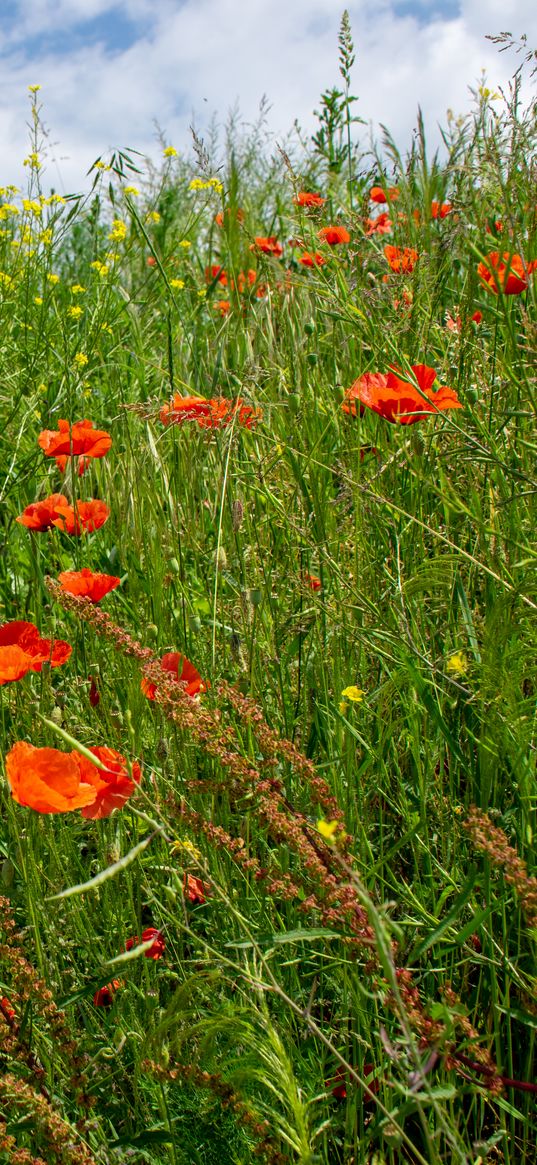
{"type": "Point", "coordinates": [267, 648]}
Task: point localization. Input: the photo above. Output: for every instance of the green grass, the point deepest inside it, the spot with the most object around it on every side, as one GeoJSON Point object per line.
{"type": "Point", "coordinates": [424, 548]}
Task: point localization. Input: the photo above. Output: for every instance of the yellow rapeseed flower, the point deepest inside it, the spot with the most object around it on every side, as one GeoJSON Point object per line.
{"type": "Point", "coordinates": [38, 300]}
{"type": "Point", "coordinates": [52, 278]}
{"type": "Point", "coordinates": [185, 243]}
{"type": "Point", "coordinates": [100, 268]}
{"type": "Point", "coordinates": [152, 216]}
{"type": "Point", "coordinates": [170, 152]}
{"type": "Point", "coordinates": [132, 190]}
{"type": "Point", "coordinates": [33, 161]}
{"type": "Point", "coordinates": [32, 206]}
{"type": "Point", "coordinates": [46, 237]}
{"type": "Point", "coordinates": [177, 284]}
{"type": "Point", "coordinates": [77, 289]}
{"type": "Point", "coordinates": [34, 88]}
{"type": "Point", "coordinates": [74, 313]}
{"type": "Point", "coordinates": [80, 360]}
{"type": "Point", "coordinates": [118, 232]}
{"type": "Point", "coordinates": [354, 694]}
{"type": "Point", "coordinates": [327, 829]}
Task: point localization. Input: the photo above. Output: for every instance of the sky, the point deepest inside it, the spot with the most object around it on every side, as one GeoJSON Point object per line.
{"type": "Point", "coordinates": [112, 70]}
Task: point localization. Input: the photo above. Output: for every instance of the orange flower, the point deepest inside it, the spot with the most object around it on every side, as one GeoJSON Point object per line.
{"type": "Point", "coordinates": [155, 951]}
{"type": "Point", "coordinates": [377, 194]}
{"type": "Point", "coordinates": [111, 786]}
{"type": "Point", "coordinates": [305, 198]}
{"type": "Point", "coordinates": [401, 259]}
{"type": "Point", "coordinates": [14, 664]}
{"type": "Point", "coordinates": [309, 260]}
{"type": "Point", "coordinates": [183, 671]}
{"type": "Point", "coordinates": [269, 246]}
{"type": "Point", "coordinates": [381, 225]}
{"type": "Point", "coordinates": [42, 515]}
{"type": "Point", "coordinates": [194, 889]}
{"type": "Point", "coordinates": [105, 995]}
{"type": "Point", "coordinates": [84, 582]}
{"type": "Point", "coordinates": [18, 639]}
{"type": "Point", "coordinates": [208, 414]}
{"type": "Point", "coordinates": [86, 517]}
{"type": "Point", "coordinates": [219, 218]}
{"type": "Point", "coordinates": [74, 440]}
{"type": "Point", "coordinates": [440, 209]}
{"type": "Point", "coordinates": [46, 779]}
{"type": "Point", "coordinates": [216, 273]}
{"type": "Point", "coordinates": [223, 306]}
{"type": "Point", "coordinates": [397, 399]}
{"type": "Point", "coordinates": [505, 272]}
{"type": "Point", "coordinates": [334, 235]}
{"type": "Point", "coordinates": [63, 461]}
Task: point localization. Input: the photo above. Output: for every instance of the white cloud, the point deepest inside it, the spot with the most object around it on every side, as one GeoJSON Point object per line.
{"type": "Point", "coordinates": [203, 55]}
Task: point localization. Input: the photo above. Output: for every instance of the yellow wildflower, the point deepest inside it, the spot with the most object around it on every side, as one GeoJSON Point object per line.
{"type": "Point", "coordinates": [34, 88]}
{"type": "Point", "coordinates": [5, 279]}
{"type": "Point", "coordinates": [457, 664]}
{"type": "Point", "coordinates": [46, 237]}
{"type": "Point", "coordinates": [77, 289]}
{"type": "Point", "coordinates": [152, 216]}
{"type": "Point", "coordinates": [100, 268]}
{"type": "Point", "coordinates": [197, 184]}
{"type": "Point", "coordinates": [170, 152]}
{"type": "Point", "coordinates": [74, 313]}
{"type": "Point", "coordinates": [202, 292]}
{"type": "Point", "coordinates": [185, 243]}
{"type": "Point", "coordinates": [32, 206]}
{"type": "Point", "coordinates": [354, 694]}
{"type": "Point", "coordinates": [38, 300]}
{"type": "Point", "coordinates": [80, 360]}
{"type": "Point", "coordinates": [52, 278]}
{"type": "Point", "coordinates": [118, 232]}
{"type": "Point", "coordinates": [132, 190]}
{"type": "Point", "coordinates": [33, 161]}
{"type": "Point", "coordinates": [177, 284]}
{"type": "Point", "coordinates": [327, 829]}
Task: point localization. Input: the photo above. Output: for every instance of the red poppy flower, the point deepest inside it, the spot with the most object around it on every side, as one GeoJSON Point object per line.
{"type": "Point", "coordinates": [381, 225]}
{"type": "Point", "coordinates": [440, 209]}
{"type": "Point", "coordinates": [401, 259]}
{"type": "Point", "coordinates": [7, 1009]}
{"type": "Point", "coordinates": [63, 461]}
{"type": "Point", "coordinates": [105, 995]}
{"type": "Point", "coordinates": [183, 671]}
{"type": "Point", "coordinates": [46, 779]}
{"type": "Point", "coordinates": [312, 582]}
{"type": "Point", "coordinates": [223, 306]}
{"type": "Point", "coordinates": [305, 198]}
{"type": "Point", "coordinates": [14, 664]}
{"type": "Point", "coordinates": [74, 440]}
{"type": "Point", "coordinates": [208, 414]}
{"type": "Point", "coordinates": [505, 272]}
{"type": "Point", "coordinates": [269, 246]}
{"type": "Point", "coordinates": [397, 399]}
{"type": "Point", "coordinates": [377, 194]}
{"type": "Point", "coordinates": [158, 947]}
{"type": "Point", "coordinates": [334, 235]}
{"type": "Point", "coordinates": [94, 694]}
{"type": "Point", "coordinates": [194, 890]}
{"type": "Point", "coordinates": [309, 260]}
{"type": "Point", "coordinates": [216, 272]}
{"type": "Point", "coordinates": [84, 582]}
{"type": "Point", "coordinates": [24, 638]}
{"type": "Point", "coordinates": [86, 517]}
{"type": "Point", "coordinates": [113, 785]}
{"type": "Point", "coordinates": [219, 218]}
{"type": "Point", "coordinates": [42, 515]}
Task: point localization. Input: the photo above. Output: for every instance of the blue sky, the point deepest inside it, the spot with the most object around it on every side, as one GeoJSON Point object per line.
{"type": "Point", "coordinates": [111, 69]}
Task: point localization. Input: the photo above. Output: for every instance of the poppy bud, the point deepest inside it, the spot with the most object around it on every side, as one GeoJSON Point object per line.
{"type": "Point", "coordinates": [293, 401]}
{"type": "Point", "coordinates": [309, 327]}
{"type": "Point", "coordinates": [174, 565]}
{"type": "Point", "coordinates": [417, 442]}
{"type": "Point", "coordinates": [471, 394]}
{"type": "Point", "coordinates": [152, 631]}
{"type": "Point", "coordinates": [57, 716]}
{"type": "Point", "coordinates": [255, 597]}
{"type": "Point", "coordinates": [7, 873]}
{"type": "Point", "coordinates": [237, 513]}
{"type": "Point", "coordinates": [94, 694]}
{"type": "Point", "coordinates": [194, 623]}
{"type": "Point", "coordinates": [162, 749]}
{"type": "Point", "coordinates": [221, 558]}
{"type": "Point", "coordinates": [312, 358]}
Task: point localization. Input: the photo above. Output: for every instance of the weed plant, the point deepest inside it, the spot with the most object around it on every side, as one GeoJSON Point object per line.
{"type": "Point", "coordinates": [308, 933]}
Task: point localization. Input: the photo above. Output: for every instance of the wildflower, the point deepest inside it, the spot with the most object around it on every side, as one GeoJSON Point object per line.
{"type": "Point", "coordinates": [334, 235]}
{"type": "Point", "coordinates": [132, 190]}
{"type": "Point", "coordinates": [505, 273]}
{"type": "Point", "coordinates": [47, 780]}
{"type": "Point", "coordinates": [185, 244]}
{"type": "Point", "coordinates": [21, 646]}
{"type": "Point", "coordinates": [377, 194]}
{"type": "Point", "coordinates": [209, 414]}
{"type": "Point", "coordinates": [52, 278]}
{"type": "Point", "coordinates": [381, 225]}
{"type": "Point", "coordinates": [63, 460]}
{"type": "Point", "coordinates": [401, 259]}
{"type": "Point", "coordinates": [396, 398]}
{"type": "Point", "coordinates": [216, 272]}
{"type": "Point", "coordinates": [33, 161]}
{"type": "Point", "coordinates": [223, 306]}
{"type": "Point", "coordinates": [101, 268]}
{"type": "Point", "coordinates": [440, 209]}
{"type": "Point", "coordinates": [457, 664]}
{"type": "Point", "coordinates": [202, 292]}
{"type": "Point", "coordinates": [269, 246]}
{"type": "Point", "coordinates": [327, 829]}
{"type": "Point", "coordinates": [84, 517]}
{"type": "Point", "coordinates": [34, 88]}
{"type": "Point", "coordinates": [112, 785]}
{"type": "Point", "coordinates": [152, 216]}
{"type": "Point", "coordinates": [312, 260]}
{"type": "Point", "coordinates": [84, 582]}
{"type": "Point", "coordinates": [38, 300]}
{"type": "Point", "coordinates": [183, 671]}
{"type": "Point", "coordinates": [354, 694]}
{"type": "Point", "coordinates": [42, 515]}
{"type": "Point", "coordinates": [306, 198]}
{"type": "Point", "coordinates": [118, 231]}
{"type": "Point", "coordinates": [156, 950]}
{"type": "Point", "coordinates": [46, 237]}
{"type": "Point", "coordinates": [74, 440]}
{"type": "Point", "coordinates": [94, 694]}
{"type": "Point", "coordinates": [312, 581]}
{"type": "Point", "coordinates": [177, 284]}
{"type": "Point", "coordinates": [194, 890]}
{"type": "Point", "coordinates": [80, 360]}
{"type": "Point", "coordinates": [170, 152]}
{"type": "Point", "coordinates": [197, 184]}
{"type": "Point", "coordinates": [105, 995]}
{"type": "Point", "coordinates": [74, 312]}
